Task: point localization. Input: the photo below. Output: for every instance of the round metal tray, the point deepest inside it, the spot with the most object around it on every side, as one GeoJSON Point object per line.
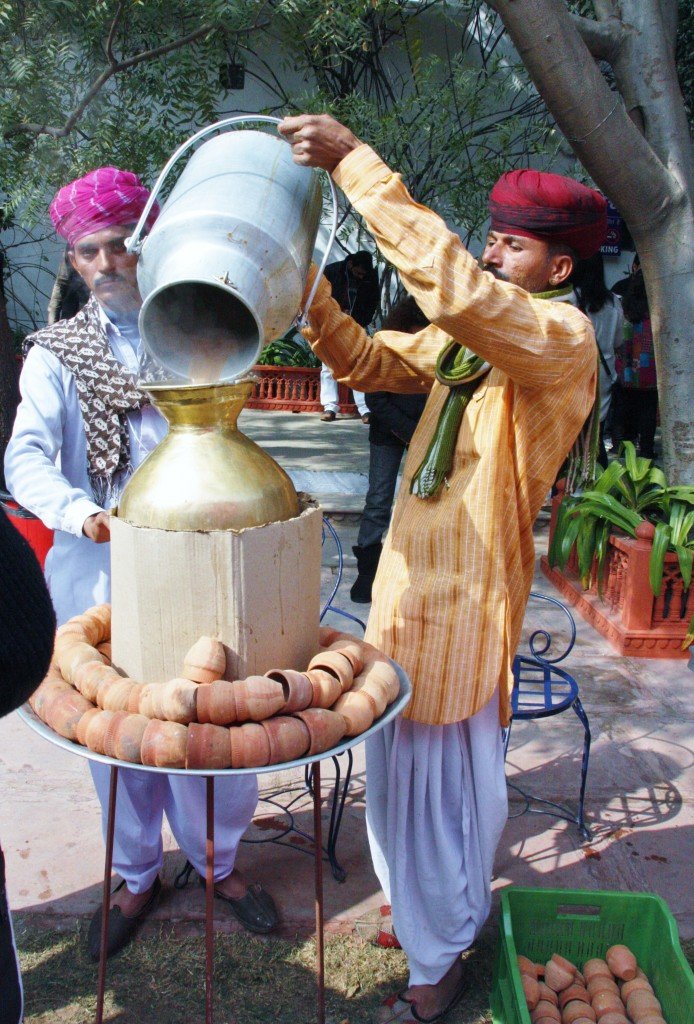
{"type": "Point", "coordinates": [35, 723]}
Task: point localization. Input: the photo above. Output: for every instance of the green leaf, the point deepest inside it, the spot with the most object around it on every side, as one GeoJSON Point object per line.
{"type": "Point", "coordinates": [661, 542]}
{"type": "Point", "coordinates": [676, 521]}
{"type": "Point", "coordinates": [609, 477]}
{"type": "Point", "coordinates": [602, 536]}
{"type": "Point", "coordinates": [638, 472]}
{"type": "Point", "coordinates": [585, 548]}
{"type": "Point", "coordinates": [567, 541]}
{"type": "Point", "coordinates": [561, 523]}
{"type": "Point", "coordinates": [652, 497]}
{"type": "Point", "coordinates": [605, 505]}
{"type": "Point", "coordinates": [686, 559]}
{"type": "Point", "coordinates": [686, 530]}
{"type": "Point", "coordinates": [656, 476]}
{"type": "Point", "coordinates": [630, 458]}
{"type": "Point", "coordinates": [626, 487]}
{"type": "Point", "coordinates": [682, 494]}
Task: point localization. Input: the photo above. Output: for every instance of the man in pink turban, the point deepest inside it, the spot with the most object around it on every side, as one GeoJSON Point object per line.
{"type": "Point", "coordinates": [82, 428]}
{"type": "Point", "coordinates": [510, 366]}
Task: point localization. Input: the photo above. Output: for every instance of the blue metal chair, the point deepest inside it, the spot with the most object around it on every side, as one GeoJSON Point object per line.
{"type": "Point", "coordinates": [541, 690]}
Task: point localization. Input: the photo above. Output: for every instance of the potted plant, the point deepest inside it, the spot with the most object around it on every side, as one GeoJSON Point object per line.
{"type": "Point", "coordinates": [622, 553]}
{"type": "Point", "coordinates": [289, 378]}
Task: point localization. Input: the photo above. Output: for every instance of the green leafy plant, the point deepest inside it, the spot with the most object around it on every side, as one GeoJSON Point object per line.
{"type": "Point", "coordinates": [629, 492]}
{"type": "Point", "coordinates": [287, 352]}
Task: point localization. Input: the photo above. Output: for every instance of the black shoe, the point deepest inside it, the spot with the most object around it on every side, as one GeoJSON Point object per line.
{"type": "Point", "coordinates": [120, 928]}
{"type": "Point", "coordinates": [360, 592]}
{"type": "Point", "coordinates": [328, 416]}
{"type": "Point", "coordinates": [256, 910]}
{"type": "Point", "coordinates": [367, 564]}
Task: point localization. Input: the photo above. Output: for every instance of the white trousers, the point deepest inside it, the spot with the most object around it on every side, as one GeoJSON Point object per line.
{"type": "Point", "coordinates": [328, 393]}
{"type": "Point", "coordinates": [141, 800]}
{"type": "Point", "coordinates": [436, 806]}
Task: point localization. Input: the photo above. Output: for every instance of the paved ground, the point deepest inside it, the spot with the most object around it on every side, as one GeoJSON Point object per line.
{"type": "Point", "coordinates": [640, 783]}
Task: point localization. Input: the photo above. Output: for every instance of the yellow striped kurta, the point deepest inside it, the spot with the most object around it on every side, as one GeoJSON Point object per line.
{"type": "Point", "coordinates": [456, 570]}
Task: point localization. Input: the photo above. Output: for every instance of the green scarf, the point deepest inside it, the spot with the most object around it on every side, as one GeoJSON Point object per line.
{"type": "Point", "coordinates": [460, 370]}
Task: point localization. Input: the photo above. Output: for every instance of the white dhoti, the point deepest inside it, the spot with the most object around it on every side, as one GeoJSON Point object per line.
{"type": "Point", "coordinates": [436, 806]}
{"type": "Point", "coordinates": [144, 797]}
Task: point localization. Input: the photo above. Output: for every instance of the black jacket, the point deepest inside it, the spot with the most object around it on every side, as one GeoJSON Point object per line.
{"type": "Point", "coordinates": [393, 417]}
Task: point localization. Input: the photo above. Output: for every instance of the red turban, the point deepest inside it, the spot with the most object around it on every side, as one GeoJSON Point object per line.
{"type": "Point", "coordinates": [550, 207]}
{"type": "Point", "coordinates": [100, 199]}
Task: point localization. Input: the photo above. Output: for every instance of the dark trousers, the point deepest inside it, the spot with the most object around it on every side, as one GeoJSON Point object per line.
{"type": "Point", "coordinates": [10, 979]}
{"type": "Point", "coordinates": [384, 463]}
{"type": "Point", "coordinates": [635, 418]}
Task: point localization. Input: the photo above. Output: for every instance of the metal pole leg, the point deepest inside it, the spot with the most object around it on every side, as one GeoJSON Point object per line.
{"type": "Point", "coordinates": [106, 903]}
{"type": "Point", "coordinates": [318, 858]}
{"type": "Point", "coordinates": [209, 901]}
{"type": "Point", "coordinates": [583, 718]}
{"type": "Point", "coordinates": [338, 806]}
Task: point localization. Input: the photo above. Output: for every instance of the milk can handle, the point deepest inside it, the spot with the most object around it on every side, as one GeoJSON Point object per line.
{"type": "Point", "coordinates": [134, 243]}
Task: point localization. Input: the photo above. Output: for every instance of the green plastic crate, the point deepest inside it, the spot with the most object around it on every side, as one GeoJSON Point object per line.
{"type": "Point", "coordinates": [580, 925]}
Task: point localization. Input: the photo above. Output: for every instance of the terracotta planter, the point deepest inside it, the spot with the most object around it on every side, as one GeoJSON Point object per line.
{"type": "Point", "coordinates": [293, 389]}
{"type": "Point", "coordinates": [629, 616]}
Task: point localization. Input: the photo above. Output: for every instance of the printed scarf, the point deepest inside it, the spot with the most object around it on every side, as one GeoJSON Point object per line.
{"type": "Point", "coordinates": [106, 391]}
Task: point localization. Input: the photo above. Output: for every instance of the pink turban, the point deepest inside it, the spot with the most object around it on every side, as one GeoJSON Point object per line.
{"type": "Point", "coordinates": [100, 199]}
{"type": "Point", "coordinates": [550, 207]}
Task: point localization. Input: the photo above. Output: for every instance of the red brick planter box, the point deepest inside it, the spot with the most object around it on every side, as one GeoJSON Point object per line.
{"type": "Point", "coordinates": [628, 615]}
{"type": "Point", "coordinates": [293, 389]}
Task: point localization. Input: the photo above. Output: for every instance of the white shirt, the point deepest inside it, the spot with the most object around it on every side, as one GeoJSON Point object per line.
{"type": "Point", "coordinates": [46, 468]}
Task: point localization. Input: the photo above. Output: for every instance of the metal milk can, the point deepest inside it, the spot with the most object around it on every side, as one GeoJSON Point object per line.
{"type": "Point", "coordinates": [223, 269]}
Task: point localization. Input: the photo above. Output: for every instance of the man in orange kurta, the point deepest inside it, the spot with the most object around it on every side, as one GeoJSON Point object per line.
{"type": "Point", "coordinates": [456, 569]}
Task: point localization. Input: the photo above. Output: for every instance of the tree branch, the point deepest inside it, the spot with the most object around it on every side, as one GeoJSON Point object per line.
{"type": "Point", "coordinates": [98, 84]}
{"type": "Point", "coordinates": [603, 38]}
{"type": "Point", "coordinates": [112, 33]}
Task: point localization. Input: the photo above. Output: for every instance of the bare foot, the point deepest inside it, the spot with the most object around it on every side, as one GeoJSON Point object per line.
{"type": "Point", "coordinates": [130, 903]}
{"type": "Point", "coordinates": [432, 999]}
{"type": "Point", "coordinates": [234, 885]}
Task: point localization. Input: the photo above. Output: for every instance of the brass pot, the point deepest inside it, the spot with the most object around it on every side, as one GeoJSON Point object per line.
{"type": "Point", "coordinates": [206, 475]}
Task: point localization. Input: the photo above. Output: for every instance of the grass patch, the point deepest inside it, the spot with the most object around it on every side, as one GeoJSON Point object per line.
{"type": "Point", "coordinates": [161, 980]}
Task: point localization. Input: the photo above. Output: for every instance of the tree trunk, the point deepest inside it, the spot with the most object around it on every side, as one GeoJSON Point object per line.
{"type": "Point", "coordinates": [647, 176]}
{"type": "Point", "coordinates": [9, 377]}
{"type": "Point", "coordinates": [666, 258]}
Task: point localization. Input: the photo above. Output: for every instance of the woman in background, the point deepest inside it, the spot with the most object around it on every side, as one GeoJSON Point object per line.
{"type": "Point", "coordinates": [605, 312]}
{"type": "Point", "coordinates": [637, 395]}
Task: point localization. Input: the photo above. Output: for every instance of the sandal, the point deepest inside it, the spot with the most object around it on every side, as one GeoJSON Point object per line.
{"type": "Point", "coordinates": [255, 910]}
{"type": "Point", "coordinates": [397, 1009]}
{"type": "Point", "coordinates": [120, 928]}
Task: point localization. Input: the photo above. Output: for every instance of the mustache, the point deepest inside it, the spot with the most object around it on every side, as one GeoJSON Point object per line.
{"type": "Point", "coordinates": [108, 278]}
{"type": "Point", "coordinates": [495, 272]}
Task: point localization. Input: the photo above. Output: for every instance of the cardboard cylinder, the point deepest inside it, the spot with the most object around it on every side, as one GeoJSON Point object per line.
{"type": "Point", "coordinates": [256, 590]}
